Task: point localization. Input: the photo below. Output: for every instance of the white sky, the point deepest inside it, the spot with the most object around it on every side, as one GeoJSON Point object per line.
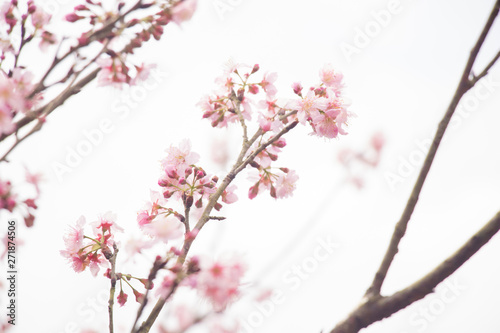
{"type": "Point", "coordinates": [399, 84]}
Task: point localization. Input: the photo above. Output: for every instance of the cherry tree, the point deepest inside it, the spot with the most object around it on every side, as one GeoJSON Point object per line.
{"type": "Point", "coordinates": [157, 265]}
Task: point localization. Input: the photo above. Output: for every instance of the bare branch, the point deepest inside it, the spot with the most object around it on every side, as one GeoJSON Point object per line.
{"type": "Point", "coordinates": [464, 85]}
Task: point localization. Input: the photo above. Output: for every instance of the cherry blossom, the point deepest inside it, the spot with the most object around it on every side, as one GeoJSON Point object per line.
{"type": "Point", "coordinates": [164, 228]}
{"type": "Point", "coordinates": [331, 78]}
{"type": "Point", "coordinates": [73, 239]}
{"type": "Point", "coordinates": [183, 10]}
{"type": "Point", "coordinates": [285, 184]}
{"type": "Point", "coordinates": [220, 281]}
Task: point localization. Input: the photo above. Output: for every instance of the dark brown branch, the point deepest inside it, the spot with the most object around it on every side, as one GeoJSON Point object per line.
{"type": "Point", "coordinates": [464, 85]}
{"type": "Point", "coordinates": [378, 308]}
{"type": "Point", "coordinates": [486, 69]}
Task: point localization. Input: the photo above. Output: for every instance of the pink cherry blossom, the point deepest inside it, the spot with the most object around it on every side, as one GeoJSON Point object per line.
{"type": "Point", "coordinates": [228, 196]}
{"type": "Point", "coordinates": [183, 11]}
{"type": "Point", "coordinates": [220, 281]}
{"type": "Point", "coordinates": [331, 78]}
{"type": "Point", "coordinates": [324, 124]}
{"type": "Point", "coordinates": [285, 184]}
{"type": "Point", "coordinates": [166, 285]}
{"type": "Point", "coordinates": [164, 228]}
{"type": "Point", "coordinates": [308, 106]}
{"type": "Point", "coordinates": [143, 72]}
{"type": "Point", "coordinates": [40, 18]}
{"type": "Point", "coordinates": [73, 239]}
{"type": "Point", "coordinates": [180, 156]}
{"type": "Point", "coordinates": [113, 72]}
{"type": "Point", "coordinates": [6, 123]}
{"type": "Point", "coordinates": [107, 223]}
{"type": "Point", "coordinates": [267, 84]}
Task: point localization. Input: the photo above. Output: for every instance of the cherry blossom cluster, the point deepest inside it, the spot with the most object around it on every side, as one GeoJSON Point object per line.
{"type": "Point", "coordinates": [184, 183]}
{"type": "Point", "coordinates": [105, 40]}
{"type": "Point", "coordinates": [128, 36]}
{"type": "Point", "coordinates": [356, 162]}
{"type": "Point", "coordinates": [20, 24]}
{"type": "Point", "coordinates": [240, 96]}
{"type": "Point", "coordinates": [26, 205]}
{"type": "Point", "coordinates": [189, 193]}
{"type": "Point", "coordinates": [83, 251]}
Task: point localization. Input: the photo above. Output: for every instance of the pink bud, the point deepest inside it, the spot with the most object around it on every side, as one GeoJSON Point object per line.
{"type": "Point", "coordinates": [72, 17]}
{"type": "Point", "coordinates": [297, 88]}
{"type": "Point", "coordinates": [253, 89]}
{"type": "Point", "coordinates": [80, 8]}
{"type": "Point", "coordinates": [255, 68]}
{"type": "Point", "coordinates": [254, 190]}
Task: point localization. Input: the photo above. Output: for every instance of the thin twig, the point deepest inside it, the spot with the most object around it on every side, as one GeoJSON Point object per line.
{"type": "Point", "coordinates": [486, 69]}
{"type": "Point", "coordinates": [464, 85]}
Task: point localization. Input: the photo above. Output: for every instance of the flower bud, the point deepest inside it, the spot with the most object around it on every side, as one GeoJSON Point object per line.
{"type": "Point", "coordinates": [72, 17]}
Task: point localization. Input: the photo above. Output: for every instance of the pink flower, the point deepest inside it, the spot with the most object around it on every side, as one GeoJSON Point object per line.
{"type": "Point", "coordinates": [137, 245]}
{"type": "Point", "coordinates": [378, 141]}
{"type": "Point", "coordinates": [166, 285]}
{"type": "Point", "coordinates": [112, 72]}
{"type": "Point", "coordinates": [228, 196]}
{"type": "Point", "coordinates": [95, 261]}
{"type": "Point", "coordinates": [142, 74]}
{"type": "Point", "coordinates": [267, 84]}
{"type": "Point", "coordinates": [181, 156]}
{"type": "Point", "coordinates": [40, 18]}
{"type": "Point", "coordinates": [285, 184]}
{"type": "Point", "coordinates": [6, 124]}
{"type": "Point", "coordinates": [183, 11]}
{"type": "Point", "coordinates": [164, 228]}
{"type": "Point", "coordinates": [324, 124]}
{"type": "Point", "coordinates": [331, 78]}
{"type": "Point", "coordinates": [308, 106]}
{"type": "Point", "coordinates": [73, 239]}
{"type": "Point", "coordinates": [220, 282]}
{"type": "Point", "coordinates": [107, 223]}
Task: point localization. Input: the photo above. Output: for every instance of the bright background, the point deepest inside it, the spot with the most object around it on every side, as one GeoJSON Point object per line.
{"type": "Point", "coordinates": [400, 84]}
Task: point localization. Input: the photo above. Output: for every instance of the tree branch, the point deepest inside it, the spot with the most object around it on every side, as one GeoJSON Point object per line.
{"type": "Point", "coordinates": [205, 217]}
{"type": "Point", "coordinates": [464, 85]}
{"type": "Point", "coordinates": [378, 308]}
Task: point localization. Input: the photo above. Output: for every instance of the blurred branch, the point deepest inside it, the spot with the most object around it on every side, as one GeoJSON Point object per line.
{"type": "Point", "coordinates": [47, 109]}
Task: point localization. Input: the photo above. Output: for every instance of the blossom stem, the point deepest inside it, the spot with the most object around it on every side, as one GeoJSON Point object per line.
{"type": "Point", "coordinates": [112, 261]}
